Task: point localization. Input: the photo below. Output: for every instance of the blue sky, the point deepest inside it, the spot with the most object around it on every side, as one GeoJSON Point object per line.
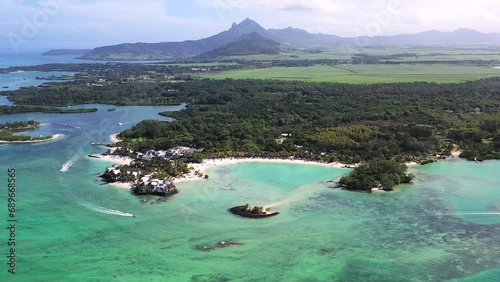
{"type": "Point", "coordinates": [45, 24]}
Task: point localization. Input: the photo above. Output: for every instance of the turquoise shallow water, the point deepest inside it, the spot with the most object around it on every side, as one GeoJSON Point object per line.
{"type": "Point", "coordinates": [445, 227]}
{"type": "Point", "coordinates": [72, 228]}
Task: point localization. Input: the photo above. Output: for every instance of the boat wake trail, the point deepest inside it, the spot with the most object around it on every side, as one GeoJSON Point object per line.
{"type": "Point", "coordinates": [69, 125]}
{"type": "Point", "coordinates": [124, 123]}
{"type": "Point", "coordinates": [109, 211]}
{"type": "Point", "coordinates": [69, 163]}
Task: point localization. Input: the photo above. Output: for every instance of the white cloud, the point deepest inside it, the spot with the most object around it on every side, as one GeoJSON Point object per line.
{"type": "Point", "coordinates": [348, 17]}
{"type": "Point", "coordinates": [99, 22]}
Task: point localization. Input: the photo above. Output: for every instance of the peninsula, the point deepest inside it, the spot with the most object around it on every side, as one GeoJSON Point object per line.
{"type": "Point", "coordinates": [7, 133]}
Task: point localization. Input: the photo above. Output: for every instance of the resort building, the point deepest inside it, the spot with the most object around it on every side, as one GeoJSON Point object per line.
{"type": "Point", "coordinates": [174, 152]}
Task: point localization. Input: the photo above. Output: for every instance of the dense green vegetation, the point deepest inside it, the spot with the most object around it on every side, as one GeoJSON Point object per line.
{"type": "Point", "coordinates": [7, 129]}
{"type": "Point", "coordinates": [349, 123]}
{"type": "Point", "coordinates": [261, 105]}
{"type": "Point", "coordinates": [112, 93]}
{"type": "Point", "coordinates": [41, 109]}
{"type": "Point", "coordinates": [382, 173]}
{"type": "Point", "coordinates": [327, 121]}
{"type": "Point", "coordinates": [10, 137]}
{"type": "Point", "coordinates": [19, 125]}
{"type": "Point", "coordinates": [158, 168]}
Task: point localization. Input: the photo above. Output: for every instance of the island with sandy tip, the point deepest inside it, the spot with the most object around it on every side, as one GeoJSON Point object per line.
{"type": "Point", "coordinates": [7, 133]}
{"type": "Point", "coordinates": [33, 140]}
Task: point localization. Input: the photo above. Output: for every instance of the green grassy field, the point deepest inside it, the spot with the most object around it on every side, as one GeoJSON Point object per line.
{"type": "Point", "coordinates": [368, 74]}
{"type": "Point", "coordinates": [421, 53]}
{"type": "Point", "coordinates": [205, 64]}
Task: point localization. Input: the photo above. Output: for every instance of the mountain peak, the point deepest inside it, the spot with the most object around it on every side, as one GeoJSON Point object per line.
{"type": "Point", "coordinates": [250, 32]}
{"type": "Point", "coordinates": [248, 21]}
{"type": "Point", "coordinates": [247, 26]}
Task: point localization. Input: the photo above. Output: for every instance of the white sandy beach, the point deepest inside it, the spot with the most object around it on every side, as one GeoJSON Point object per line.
{"type": "Point", "coordinates": [121, 185]}
{"type": "Point", "coordinates": [54, 137]}
{"type": "Point", "coordinates": [114, 159]}
{"type": "Point", "coordinates": [114, 138]}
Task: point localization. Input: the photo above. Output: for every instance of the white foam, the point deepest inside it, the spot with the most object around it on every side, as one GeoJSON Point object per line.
{"type": "Point", "coordinates": [112, 212]}
{"type": "Point", "coordinates": [104, 210]}
{"type": "Point", "coordinates": [69, 163]}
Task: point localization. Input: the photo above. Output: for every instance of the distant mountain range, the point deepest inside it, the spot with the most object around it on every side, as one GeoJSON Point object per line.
{"type": "Point", "coordinates": [288, 36]}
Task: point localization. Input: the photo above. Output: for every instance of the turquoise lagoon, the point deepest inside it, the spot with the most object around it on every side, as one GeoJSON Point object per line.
{"type": "Point", "coordinates": [444, 227]}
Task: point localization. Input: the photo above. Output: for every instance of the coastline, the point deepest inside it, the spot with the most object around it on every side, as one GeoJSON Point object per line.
{"type": "Point", "coordinates": [113, 159]}
{"type": "Point", "coordinates": [454, 154]}
{"type": "Point", "coordinates": [54, 137]}
{"type": "Point", "coordinates": [121, 185]}
{"type": "Point", "coordinates": [114, 138]}
{"type": "Point", "coordinates": [202, 168]}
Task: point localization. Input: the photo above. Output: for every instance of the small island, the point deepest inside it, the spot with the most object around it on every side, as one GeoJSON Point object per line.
{"type": "Point", "coordinates": [7, 133]}
{"type": "Point", "coordinates": [5, 110]}
{"type": "Point", "coordinates": [255, 212]}
{"type": "Point", "coordinates": [53, 77]}
{"type": "Point", "coordinates": [20, 125]}
{"type": "Point", "coordinates": [376, 175]}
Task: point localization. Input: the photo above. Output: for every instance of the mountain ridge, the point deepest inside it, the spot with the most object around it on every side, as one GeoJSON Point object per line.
{"type": "Point", "coordinates": [247, 44]}
{"type": "Point", "coordinates": [290, 36]}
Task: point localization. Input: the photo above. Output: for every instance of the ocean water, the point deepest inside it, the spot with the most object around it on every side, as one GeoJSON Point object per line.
{"type": "Point", "coordinates": [446, 226]}
{"type": "Point", "coordinates": [14, 81]}
{"type": "Point", "coordinates": [33, 59]}
{"type": "Point", "coordinates": [71, 227]}
{"type": "Point", "coordinates": [36, 58]}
